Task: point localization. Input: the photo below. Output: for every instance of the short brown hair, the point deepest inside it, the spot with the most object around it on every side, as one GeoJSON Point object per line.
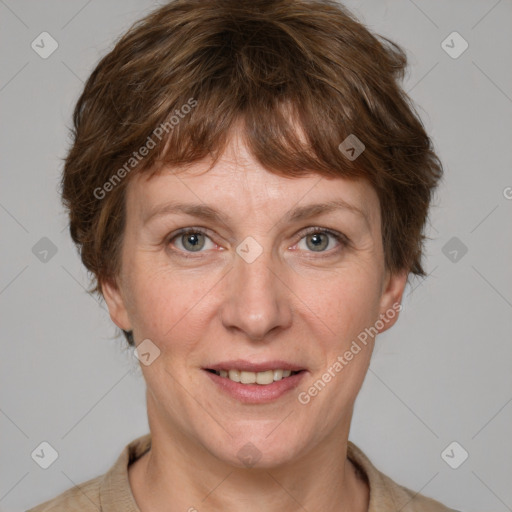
{"type": "Point", "coordinates": [273, 65]}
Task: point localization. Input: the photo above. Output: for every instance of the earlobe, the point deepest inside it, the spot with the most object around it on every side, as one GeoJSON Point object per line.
{"type": "Point", "coordinates": [116, 305]}
{"type": "Point", "coordinates": [390, 303]}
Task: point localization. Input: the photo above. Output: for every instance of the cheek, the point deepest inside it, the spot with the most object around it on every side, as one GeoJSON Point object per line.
{"type": "Point", "coordinates": [165, 306]}
{"type": "Point", "coordinates": [347, 304]}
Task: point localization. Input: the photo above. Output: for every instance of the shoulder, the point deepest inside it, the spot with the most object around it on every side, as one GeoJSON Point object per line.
{"type": "Point", "coordinates": [385, 494]}
{"type": "Point", "coordinates": [83, 497]}
{"type": "Point", "coordinates": [408, 500]}
{"type": "Point", "coordinates": [110, 491]}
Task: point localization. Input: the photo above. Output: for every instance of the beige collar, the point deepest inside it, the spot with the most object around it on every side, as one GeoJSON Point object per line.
{"type": "Point", "coordinates": [385, 494]}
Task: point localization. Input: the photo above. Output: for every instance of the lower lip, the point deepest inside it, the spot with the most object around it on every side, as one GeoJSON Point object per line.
{"type": "Point", "coordinates": [256, 393]}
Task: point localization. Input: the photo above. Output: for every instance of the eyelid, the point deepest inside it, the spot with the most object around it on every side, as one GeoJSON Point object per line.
{"type": "Point", "coordinates": [342, 238]}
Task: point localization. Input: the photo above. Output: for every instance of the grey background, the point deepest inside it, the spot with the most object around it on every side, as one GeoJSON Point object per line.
{"type": "Point", "coordinates": [442, 374]}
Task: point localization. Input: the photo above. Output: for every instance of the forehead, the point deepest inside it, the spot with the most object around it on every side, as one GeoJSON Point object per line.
{"type": "Point", "coordinates": [238, 184]}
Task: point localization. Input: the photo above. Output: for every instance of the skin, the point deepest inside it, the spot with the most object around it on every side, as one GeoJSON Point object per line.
{"type": "Point", "coordinates": [292, 303]}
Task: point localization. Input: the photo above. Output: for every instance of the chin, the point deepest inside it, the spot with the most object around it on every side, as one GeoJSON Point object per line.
{"type": "Point", "coordinates": [258, 450]}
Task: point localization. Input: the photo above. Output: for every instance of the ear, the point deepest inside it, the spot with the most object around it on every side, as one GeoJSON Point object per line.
{"type": "Point", "coordinates": [116, 305]}
{"type": "Point", "coordinates": [391, 298]}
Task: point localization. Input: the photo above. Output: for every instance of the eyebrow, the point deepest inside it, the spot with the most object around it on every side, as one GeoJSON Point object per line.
{"type": "Point", "coordinates": [300, 213]}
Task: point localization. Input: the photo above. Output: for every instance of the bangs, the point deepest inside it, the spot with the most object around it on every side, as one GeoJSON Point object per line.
{"type": "Point", "coordinates": [286, 139]}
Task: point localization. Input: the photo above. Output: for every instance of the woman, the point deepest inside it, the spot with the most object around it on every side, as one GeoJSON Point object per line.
{"type": "Point", "coordinates": [248, 184]}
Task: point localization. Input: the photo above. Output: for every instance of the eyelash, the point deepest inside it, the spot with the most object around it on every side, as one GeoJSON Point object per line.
{"type": "Point", "coordinates": [339, 237]}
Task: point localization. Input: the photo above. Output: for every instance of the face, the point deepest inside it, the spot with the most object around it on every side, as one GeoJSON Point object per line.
{"type": "Point", "coordinates": [263, 285]}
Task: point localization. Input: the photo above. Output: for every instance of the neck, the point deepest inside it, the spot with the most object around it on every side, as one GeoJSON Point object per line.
{"type": "Point", "coordinates": [178, 474]}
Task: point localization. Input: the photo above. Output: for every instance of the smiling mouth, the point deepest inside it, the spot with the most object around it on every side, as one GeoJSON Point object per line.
{"type": "Point", "coordinates": [263, 378]}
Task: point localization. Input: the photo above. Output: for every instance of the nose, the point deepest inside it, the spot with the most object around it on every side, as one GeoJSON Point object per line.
{"type": "Point", "coordinates": [257, 302]}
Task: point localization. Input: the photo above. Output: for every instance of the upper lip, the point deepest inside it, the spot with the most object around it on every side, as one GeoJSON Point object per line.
{"type": "Point", "coordinates": [250, 366]}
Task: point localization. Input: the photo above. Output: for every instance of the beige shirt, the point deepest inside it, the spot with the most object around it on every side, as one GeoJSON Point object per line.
{"type": "Point", "coordinates": [111, 492]}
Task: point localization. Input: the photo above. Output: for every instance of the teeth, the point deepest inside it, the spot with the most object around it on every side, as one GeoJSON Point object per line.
{"type": "Point", "coordinates": [265, 377]}
{"type": "Point", "coordinates": [247, 377]}
{"type": "Point", "coordinates": [234, 375]}
{"type": "Point", "coordinates": [278, 374]}
{"type": "Point", "coordinates": [262, 378]}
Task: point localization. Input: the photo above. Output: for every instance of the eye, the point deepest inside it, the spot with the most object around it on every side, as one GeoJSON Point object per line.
{"type": "Point", "coordinates": [191, 240]}
{"type": "Point", "coordinates": [322, 240]}
{"type": "Point", "coordinates": [316, 239]}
